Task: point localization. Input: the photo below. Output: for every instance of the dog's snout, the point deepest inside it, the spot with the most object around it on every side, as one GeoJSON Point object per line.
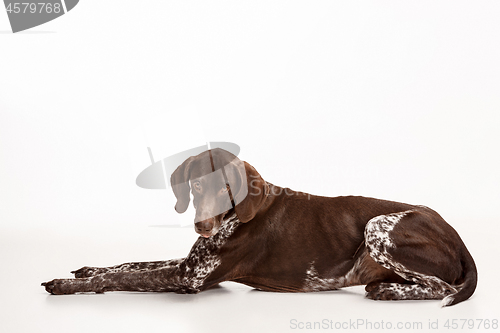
{"type": "Point", "coordinates": [204, 227]}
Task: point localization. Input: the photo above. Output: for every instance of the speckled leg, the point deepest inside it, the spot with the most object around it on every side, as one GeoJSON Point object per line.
{"type": "Point", "coordinates": [127, 267]}
{"type": "Point", "coordinates": [189, 275]}
{"type": "Point", "coordinates": [399, 291]}
{"type": "Point", "coordinates": [380, 244]}
{"type": "Point", "coordinates": [161, 279]}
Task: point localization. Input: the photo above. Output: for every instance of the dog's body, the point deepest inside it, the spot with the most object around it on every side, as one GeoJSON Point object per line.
{"type": "Point", "coordinates": [276, 239]}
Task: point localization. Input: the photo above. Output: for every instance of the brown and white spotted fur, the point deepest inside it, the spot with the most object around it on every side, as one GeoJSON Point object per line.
{"type": "Point", "coordinates": [276, 239]}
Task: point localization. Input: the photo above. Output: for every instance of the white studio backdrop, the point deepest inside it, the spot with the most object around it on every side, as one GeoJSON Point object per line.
{"type": "Point", "coordinates": [388, 99]}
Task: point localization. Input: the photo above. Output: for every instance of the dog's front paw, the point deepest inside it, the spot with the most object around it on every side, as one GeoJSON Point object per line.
{"type": "Point", "coordinates": [86, 272]}
{"type": "Point", "coordinates": [70, 286]}
{"type": "Point", "coordinates": [54, 287]}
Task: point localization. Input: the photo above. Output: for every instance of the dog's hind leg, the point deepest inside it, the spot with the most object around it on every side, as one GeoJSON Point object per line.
{"type": "Point", "coordinates": [419, 247]}
{"type": "Point", "coordinates": [126, 267]}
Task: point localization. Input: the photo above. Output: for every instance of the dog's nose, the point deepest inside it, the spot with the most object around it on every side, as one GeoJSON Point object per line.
{"type": "Point", "coordinates": [203, 227]}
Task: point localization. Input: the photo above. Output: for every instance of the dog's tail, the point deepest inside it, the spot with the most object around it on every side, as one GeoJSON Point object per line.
{"type": "Point", "coordinates": [470, 281]}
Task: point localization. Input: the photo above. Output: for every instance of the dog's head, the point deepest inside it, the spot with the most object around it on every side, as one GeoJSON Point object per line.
{"type": "Point", "coordinates": [220, 183]}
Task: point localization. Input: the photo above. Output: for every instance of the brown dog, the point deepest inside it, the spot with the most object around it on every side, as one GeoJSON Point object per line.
{"type": "Point", "coordinates": [276, 239]}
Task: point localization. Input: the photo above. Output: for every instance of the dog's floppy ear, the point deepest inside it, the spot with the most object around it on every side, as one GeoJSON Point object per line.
{"type": "Point", "coordinates": [248, 188]}
{"type": "Point", "coordinates": [180, 185]}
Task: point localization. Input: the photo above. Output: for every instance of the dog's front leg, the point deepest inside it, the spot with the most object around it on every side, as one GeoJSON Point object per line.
{"type": "Point", "coordinates": [190, 275]}
{"type": "Point", "coordinates": [127, 267]}
{"type": "Point", "coordinates": [158, 280]}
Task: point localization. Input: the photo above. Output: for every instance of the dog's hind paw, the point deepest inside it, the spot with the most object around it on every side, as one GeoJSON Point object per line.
{"type": "Point", "coordinates": [382, 291]}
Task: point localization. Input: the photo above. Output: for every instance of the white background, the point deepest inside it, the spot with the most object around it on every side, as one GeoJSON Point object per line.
{"type": "Point", "coordinates": [389, 99]}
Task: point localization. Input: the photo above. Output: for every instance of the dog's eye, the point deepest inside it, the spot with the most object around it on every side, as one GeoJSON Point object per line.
{"type": "Point", "coordinates": [197, 186]}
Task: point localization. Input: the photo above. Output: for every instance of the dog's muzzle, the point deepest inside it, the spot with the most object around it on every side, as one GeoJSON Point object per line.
{"type": "Point", "coordinates": [205, 228]}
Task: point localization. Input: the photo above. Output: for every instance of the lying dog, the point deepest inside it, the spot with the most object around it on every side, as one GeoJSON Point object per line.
{"type": "Point", "coordinates": [276, 239]}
